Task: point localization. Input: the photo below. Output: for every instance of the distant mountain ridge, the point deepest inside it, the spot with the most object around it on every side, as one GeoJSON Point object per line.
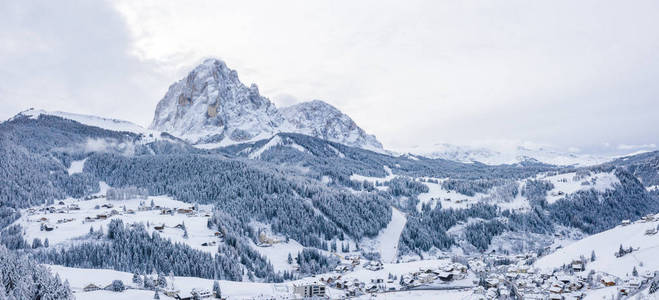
{"type": "Point", "coordinates": [506, 154]}
{"type": "Point", "coordinates": [211, 106]}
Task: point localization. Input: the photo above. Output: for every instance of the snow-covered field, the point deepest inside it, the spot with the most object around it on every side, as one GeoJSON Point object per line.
{"type": "Point", "coordinates": [76, 166]}
{"type": "Point", "coordinates": [278, 254]}
{"type": "Point", "coordinates": [569, 183]}
{"type": "Point", "coordinates": [448, 199]}
{"type": "Point", "coordinates": [605, 244]}
{"type": "Point", "coordinates": [198, 232]}
{"type": "Point", "coordinates": [79, 278]}
{"type": "Point", "coordinates": [374, 180]}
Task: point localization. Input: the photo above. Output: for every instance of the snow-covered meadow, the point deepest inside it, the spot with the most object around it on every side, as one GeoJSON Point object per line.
{"type": "Point", "coordinates": [605, 244]}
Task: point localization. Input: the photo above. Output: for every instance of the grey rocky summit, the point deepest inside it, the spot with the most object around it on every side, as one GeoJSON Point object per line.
{"type": "Point", "coordinates": [211, 105]}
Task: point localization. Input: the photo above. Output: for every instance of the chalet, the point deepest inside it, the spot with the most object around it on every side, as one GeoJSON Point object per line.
{"type": "Point", "coordinates": [372, 288]}
{"type": "Point", "coordinates": [165, 211]}
{"type": "Point", "coordinates": [159, 228]}
{"type": "Point", "coordinates": [608, 281]}
{"type": "Point", "coordinates": [426, 278]}
{"type": "Point", "coordinates": [60, 221]}
{"type": "Point", "coordinates": [556, 288]}
{"type": "Point", "coordinates": [74, 207]}
{"type": "Point", "coordinates": [578, 265]}
{"type": "Point", "coordinates": [194, 294]}
{"type": "Point", "coordinates": [626, 222]}
{"type": "Point", "coordinates": [130, 212]}
{"type": "Point", "coordinates": [445, 276]}
{"type": "Point", "coordinates": [107, 205]}
{"type": "Point", "coordinates": [575, 286]}
{"type": "Point", "coordinates": [60, 203]}
{"type": "Point", "coordinates": [492, 282]}
{"type": "Point", "coordinates": [184, 210]}
{"type": "Point", "coordinates": [91, 287]}
{"type": "Point", "coordinates": [310, 290]}
{"type": "Point", "coordinates": [211, 243]}
{"type": "Point", "coordinates": [377, 280]}
{"type": "Point", "coordinates": [47, 227]}
{"type": "Point", "coordinates": [343, 268]}
{"type": "Point", "coordinates": [343, 284]}
{"type": "Point", "coordinates": [374, 266]}
{"type": "Point", "coordinates": [43, 219]}
{"type": "Point", "coordinates": [651, 231]}
{"type": "Point", "coordinates": [89, 219]}
{"type": "Point", "coordinates": [635, 282]}
{"type": "Point", "coordinates": [102, 216]}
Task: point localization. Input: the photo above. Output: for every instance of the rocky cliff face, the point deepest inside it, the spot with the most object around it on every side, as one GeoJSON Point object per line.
{"type": "Point", "coordinates": [319, 119]}
{"type": "Point", "coordinates": [211, 105]}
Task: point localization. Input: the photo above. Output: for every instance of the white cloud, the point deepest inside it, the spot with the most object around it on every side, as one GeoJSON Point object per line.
{"type": "Point", "coordinates": [636, 147]}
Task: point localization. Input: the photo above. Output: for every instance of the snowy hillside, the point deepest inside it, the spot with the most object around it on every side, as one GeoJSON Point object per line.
{"type": "Point", "coordinates": [210, 106]}
{"type": "Point", "coordinates": [570, 183]}
{"type": "Point", "coordinates": [295, 209]}
{"type": "Point", "coordinates": [109, 124]}
{"type": "Point", "coordinates": [319, 119]}
{"type": "Point", "coordinates": [73, 219]}
{"type": "Point", "coordinates": [605, 244]}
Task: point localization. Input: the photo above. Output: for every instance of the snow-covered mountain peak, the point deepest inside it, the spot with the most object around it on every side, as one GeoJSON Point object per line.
{"type": "Point", "coordinates": [320, 119]}
{"type": "Point", "coordinates": [211, 106]}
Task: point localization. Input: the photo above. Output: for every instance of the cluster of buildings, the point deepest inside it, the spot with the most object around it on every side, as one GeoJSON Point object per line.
{"type": "Point", "coordinates": [516, 278]}
{"type": "Point", "coordinates": [61, 208]}
{"type": "Point", "coordinates": [425, 276]}
{"type": "Point", "coordinates": [355, 287]}
{"type": "Point", "coordinates": [348, 263]}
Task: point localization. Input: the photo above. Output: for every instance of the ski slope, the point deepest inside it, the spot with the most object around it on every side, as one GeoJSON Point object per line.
{"type": "Point", "coordinates": [386, 243]}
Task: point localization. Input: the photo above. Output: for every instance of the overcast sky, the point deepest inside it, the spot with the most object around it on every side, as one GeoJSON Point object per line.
{"type": "Point", "coordinates": [574, 74]}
